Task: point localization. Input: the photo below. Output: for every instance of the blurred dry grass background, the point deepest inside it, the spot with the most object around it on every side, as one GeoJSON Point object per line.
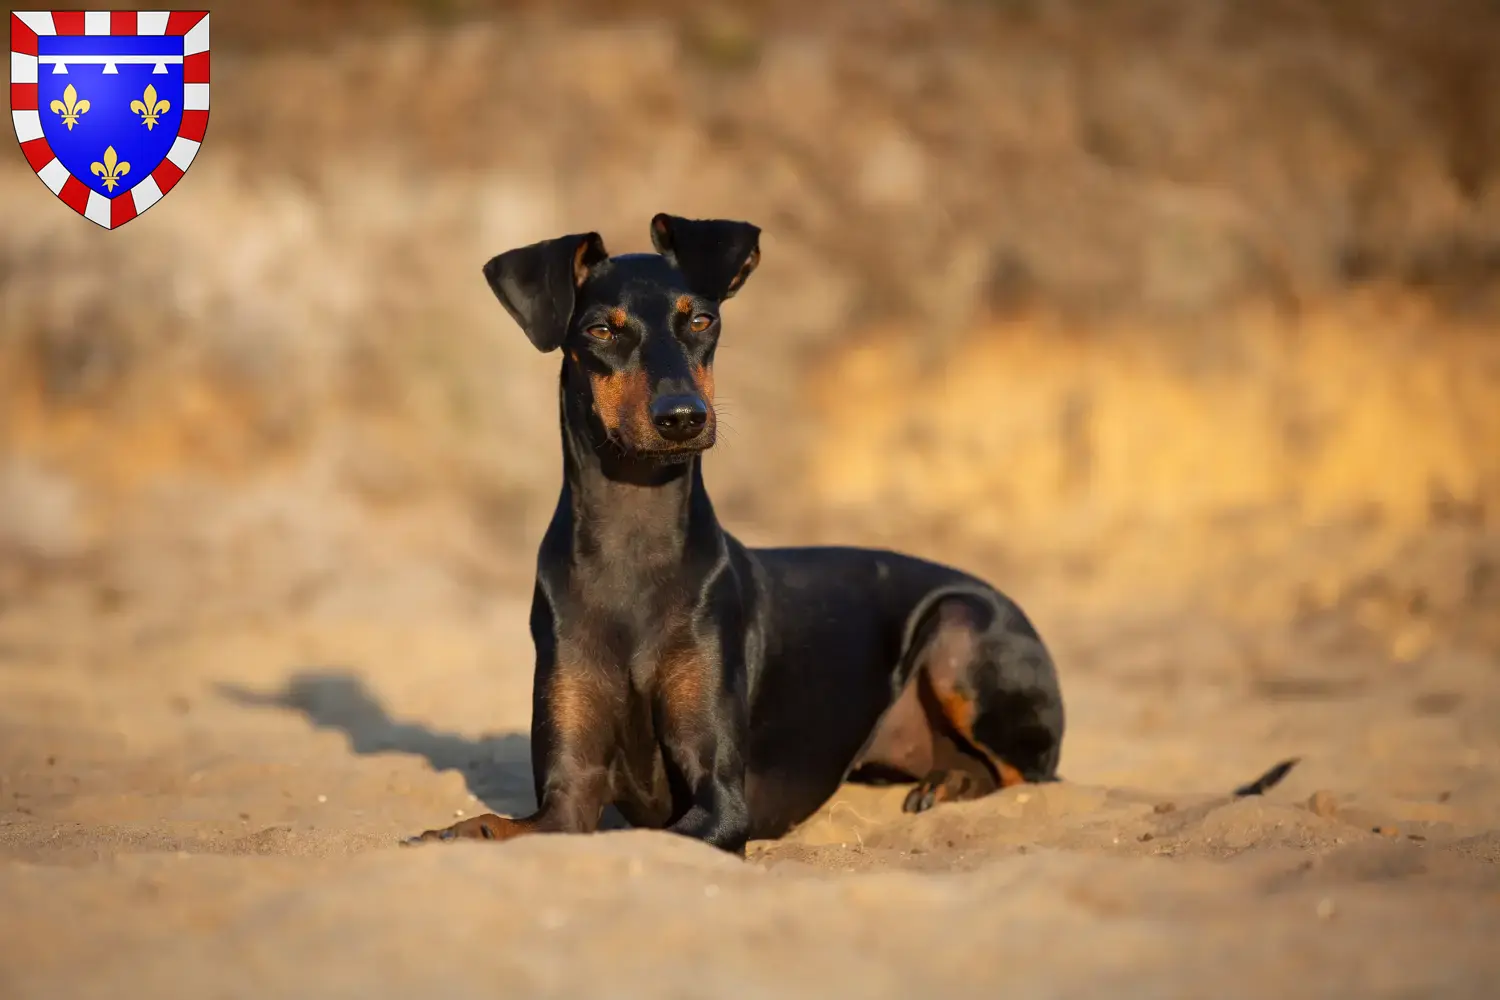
{"type": "Point", "coordinates": [1166, 301]}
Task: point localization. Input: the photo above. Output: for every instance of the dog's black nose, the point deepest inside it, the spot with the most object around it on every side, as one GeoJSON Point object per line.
{"type": "Point", "coordinates": [679, 418]}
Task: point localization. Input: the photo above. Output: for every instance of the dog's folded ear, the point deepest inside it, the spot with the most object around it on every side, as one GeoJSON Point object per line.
{"type": "Point", "coordinates": [537, 284]}
{"type": "Point", "coordinates": [715, 255]}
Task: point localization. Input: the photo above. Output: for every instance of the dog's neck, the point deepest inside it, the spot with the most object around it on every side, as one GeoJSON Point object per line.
{"type": "Point", "coordinates": [625, 511]}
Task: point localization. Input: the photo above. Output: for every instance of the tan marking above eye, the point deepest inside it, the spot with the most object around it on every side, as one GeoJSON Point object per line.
{"type": "Point", "coordinates": [702, 322]}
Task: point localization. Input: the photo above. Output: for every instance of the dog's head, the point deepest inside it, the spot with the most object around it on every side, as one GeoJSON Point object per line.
{"type": "Point", "coordinates": [638, 331]}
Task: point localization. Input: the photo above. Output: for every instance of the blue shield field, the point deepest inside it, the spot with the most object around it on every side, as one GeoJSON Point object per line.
{"type": "Point", "coordinates": [111, 105]}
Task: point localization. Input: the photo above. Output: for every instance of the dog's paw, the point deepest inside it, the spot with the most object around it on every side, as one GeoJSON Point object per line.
{"type": "Point", "coordinates": [486, 827]}
{"type": "Point", "coordinates": [940, 786]}
{"type": "Point", "coordinates": [428, 835]}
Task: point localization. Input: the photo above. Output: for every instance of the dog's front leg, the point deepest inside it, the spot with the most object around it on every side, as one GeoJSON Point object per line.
{"type": "Point", "coordinates": [573, 726]}
{"type": "Point", "coordinates": [704, 731]}
{"type": "Point", "coordinates": [715, 771]}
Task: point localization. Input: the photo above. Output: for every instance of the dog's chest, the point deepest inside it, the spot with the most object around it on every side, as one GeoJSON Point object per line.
{"type": "Point", "coordinates": [635, 630]}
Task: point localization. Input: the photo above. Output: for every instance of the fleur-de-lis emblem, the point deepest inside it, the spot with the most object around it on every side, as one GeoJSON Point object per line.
{"type": "Point", "coordinates": [150, 109]}
{"type": "Point", "coordinates": [111, 170]}
{"type": "Point", "coordinates": [70, 107]}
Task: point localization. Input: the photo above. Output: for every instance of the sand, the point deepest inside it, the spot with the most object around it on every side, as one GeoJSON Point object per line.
{"type": "Point", "coordinates": [213, 810]}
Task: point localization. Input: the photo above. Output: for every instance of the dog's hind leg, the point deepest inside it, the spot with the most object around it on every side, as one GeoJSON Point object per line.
{"type": "Point", "coordinates": [988, 686]}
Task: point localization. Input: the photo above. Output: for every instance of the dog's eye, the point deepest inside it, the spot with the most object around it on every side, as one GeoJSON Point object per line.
{"type": "Point", "coordinates": [702, 322]}
{"type": "Point", "coordinates": [600, 331]}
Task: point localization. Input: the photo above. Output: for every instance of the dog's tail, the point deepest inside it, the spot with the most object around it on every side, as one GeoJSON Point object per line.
{"type": "Point", "coordinates": [1267, 781]}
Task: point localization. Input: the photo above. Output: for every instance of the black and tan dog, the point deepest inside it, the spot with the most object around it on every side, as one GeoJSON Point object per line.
{"type": "Point", "coordinates": [699, 686]}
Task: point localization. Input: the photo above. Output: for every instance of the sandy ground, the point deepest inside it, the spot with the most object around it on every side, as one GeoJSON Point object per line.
{"type": "Point", "coordinates": [212, 810]}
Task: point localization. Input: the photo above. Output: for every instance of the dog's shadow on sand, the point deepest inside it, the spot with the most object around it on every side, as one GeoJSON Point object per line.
{"type": "Point", "coordinates": [496, 767]}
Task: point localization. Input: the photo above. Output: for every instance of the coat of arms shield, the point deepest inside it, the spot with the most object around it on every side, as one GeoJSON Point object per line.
{"type": "Point", "coordinates": [110, 107]}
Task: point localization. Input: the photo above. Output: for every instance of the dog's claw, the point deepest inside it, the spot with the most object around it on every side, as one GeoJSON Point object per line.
{"type": "Point", "coordinates": [939, 786]}
{"type": "Point", "coordinates": [423, 838]}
